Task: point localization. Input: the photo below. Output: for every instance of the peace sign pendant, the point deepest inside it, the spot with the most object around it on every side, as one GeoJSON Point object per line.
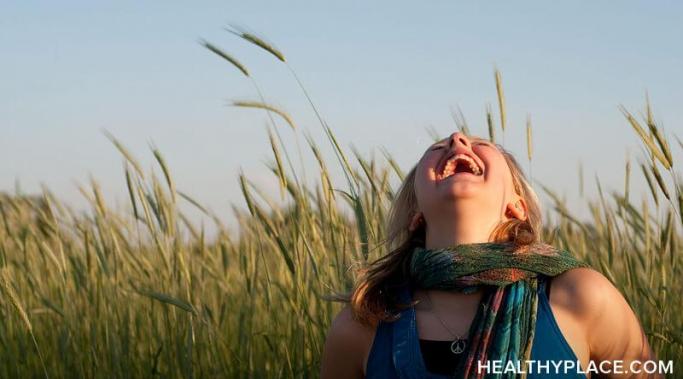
{"type": "Point", "coordinates": [458, 346]}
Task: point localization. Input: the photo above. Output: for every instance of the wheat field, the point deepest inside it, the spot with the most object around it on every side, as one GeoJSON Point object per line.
{"type": "Point", "coordinates": [145, 293]}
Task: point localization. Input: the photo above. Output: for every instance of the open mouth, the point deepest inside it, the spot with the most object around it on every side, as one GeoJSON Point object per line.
{"type": "Point", "coordinates": [459, 164]}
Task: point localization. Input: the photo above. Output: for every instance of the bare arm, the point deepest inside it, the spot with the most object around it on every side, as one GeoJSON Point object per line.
{"type": "Point", "coordinates": [346, 347]}
{"type": "Point", "coordinates": [612, 329]}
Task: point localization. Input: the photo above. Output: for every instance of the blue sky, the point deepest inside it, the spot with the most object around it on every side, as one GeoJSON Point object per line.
{"type": "Point", "coordinates": [381, 74]}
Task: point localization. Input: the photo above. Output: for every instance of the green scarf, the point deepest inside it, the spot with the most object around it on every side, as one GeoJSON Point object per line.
{"type": "Point", "coordinates": [503, 328]}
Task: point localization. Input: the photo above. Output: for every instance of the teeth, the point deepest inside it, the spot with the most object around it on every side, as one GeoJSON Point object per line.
{"type": "Point", "coordinates": [451, 164]}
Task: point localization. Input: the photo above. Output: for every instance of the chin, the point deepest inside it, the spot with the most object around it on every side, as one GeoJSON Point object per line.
{"type": "Point", "coordinates": [461, 190]}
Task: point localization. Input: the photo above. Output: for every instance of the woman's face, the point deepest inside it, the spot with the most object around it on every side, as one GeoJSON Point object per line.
{"type": "Point", "coordinates": [463, 170]}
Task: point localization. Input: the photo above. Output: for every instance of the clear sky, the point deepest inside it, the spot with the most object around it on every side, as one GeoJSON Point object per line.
{"type": "Point", "coordinates": [380, 72]}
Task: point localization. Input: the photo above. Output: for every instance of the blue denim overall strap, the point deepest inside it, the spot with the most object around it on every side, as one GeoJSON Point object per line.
{"type": "Point", "coordinates": [549, 342]}
{"type": "Point", "coordinates": [406, 354]}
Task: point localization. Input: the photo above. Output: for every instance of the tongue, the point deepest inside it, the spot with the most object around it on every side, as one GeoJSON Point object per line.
{"type": "Point", "coordinates": [462, 167]}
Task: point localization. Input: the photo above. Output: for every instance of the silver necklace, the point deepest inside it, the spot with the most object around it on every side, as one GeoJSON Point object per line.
{"type": "Point", "coordinates": [459, 344]}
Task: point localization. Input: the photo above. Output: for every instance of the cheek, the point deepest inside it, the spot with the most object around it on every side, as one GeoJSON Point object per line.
{"type": "Point", "coordinates": [421, 182]}
{"type": "Point", "coordinates": [421, 172]}
{"type": "Point", "coordinates": [499, 173]}
{"type": "Point", "coordinates": [424, 183]}
{"type": "Point", "coordinates": [427, 168]}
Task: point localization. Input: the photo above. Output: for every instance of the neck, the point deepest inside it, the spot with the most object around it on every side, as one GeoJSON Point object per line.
{"type": "Point", "coordinates": [455, 229]}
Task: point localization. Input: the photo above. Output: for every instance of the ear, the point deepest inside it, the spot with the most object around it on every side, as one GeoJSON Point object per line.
{"type": "Point", "coordinates": [416, 221]}
{"type": "Point", "coordinates": [517, 208]}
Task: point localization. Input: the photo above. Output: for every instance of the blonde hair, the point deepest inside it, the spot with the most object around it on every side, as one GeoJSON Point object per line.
{"type": "Point", "coordinates": [374, 297]}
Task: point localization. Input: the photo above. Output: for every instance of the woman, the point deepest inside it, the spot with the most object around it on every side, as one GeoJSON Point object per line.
{"type": "Point", "coordinates": [466, 288]}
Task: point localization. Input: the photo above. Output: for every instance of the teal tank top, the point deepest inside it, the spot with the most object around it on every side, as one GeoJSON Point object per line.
{"type": "Point", "coordinates": [396, 354]}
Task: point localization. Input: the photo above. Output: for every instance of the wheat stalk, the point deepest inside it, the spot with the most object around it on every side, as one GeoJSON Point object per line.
{"type": "Point", "coordinates": [501, 100]}
{"type": "Point", "coordinates": [225, 56]}
{"type": "Point", "coordinates": [256, 40]}
{"type": "Point", "coordinates": [267, 107]}
{"type": "Point", "coordinates": [489, 123]}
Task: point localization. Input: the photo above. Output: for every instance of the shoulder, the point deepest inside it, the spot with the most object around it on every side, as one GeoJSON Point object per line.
{"type": "Point", "coordinates": [347, 346]}
{"type": "Point", "coordinates": [583, 291]}
{"type": "Point", "coordinates": [607, 319]}
{"type": "Point", "coordinates": [345, 327]}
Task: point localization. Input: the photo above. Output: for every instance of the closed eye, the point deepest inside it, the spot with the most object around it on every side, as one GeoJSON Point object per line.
{"type": "Point", "coordinates": [437, 147]}
{"type": "Point", "coordinates": [489, 144]}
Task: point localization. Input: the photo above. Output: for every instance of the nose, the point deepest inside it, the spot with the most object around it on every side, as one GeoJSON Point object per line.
{"type": "Point", "coordinates": [459, 138]}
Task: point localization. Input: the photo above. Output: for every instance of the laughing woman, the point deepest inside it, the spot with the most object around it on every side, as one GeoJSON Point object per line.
{"type": "Point", "coordinates": [466, 290]}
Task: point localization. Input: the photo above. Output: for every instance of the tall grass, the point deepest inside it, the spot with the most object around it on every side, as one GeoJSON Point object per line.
{"type": "Point", "coordinates": [144, 292]}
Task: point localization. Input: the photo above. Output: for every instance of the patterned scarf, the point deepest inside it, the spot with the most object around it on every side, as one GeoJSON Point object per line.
{"type": "Point", "coordinates": [503, 329]}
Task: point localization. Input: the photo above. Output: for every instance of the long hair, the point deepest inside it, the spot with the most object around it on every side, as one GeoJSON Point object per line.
{"type": "Point", "coordinates": [374, 297]}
